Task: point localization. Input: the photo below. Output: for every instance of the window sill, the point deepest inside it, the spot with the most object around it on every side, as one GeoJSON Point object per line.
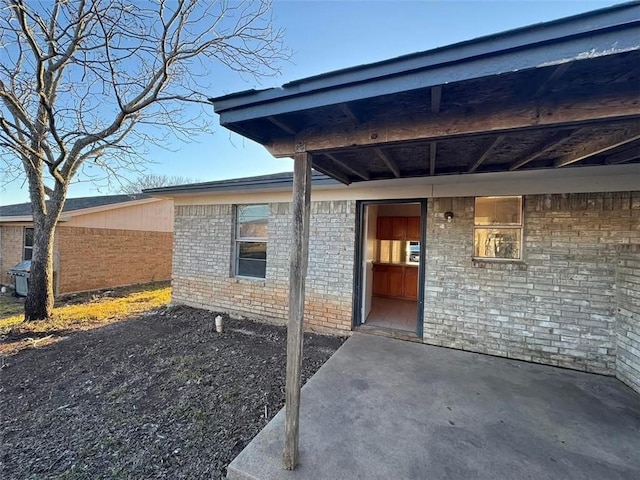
{"type": "Point", "coordinates": [498, 263]}
{"type": "Point", "coordinates": [249, 280]}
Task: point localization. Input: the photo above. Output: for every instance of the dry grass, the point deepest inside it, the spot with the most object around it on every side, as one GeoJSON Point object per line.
{"type": "Point", "coordinates": [105, 309]}
{"type": "Point", "coordinates": [10, 306]}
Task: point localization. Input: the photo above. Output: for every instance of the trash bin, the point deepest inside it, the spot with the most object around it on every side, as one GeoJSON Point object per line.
{"type": "Point", "coordinates": [21, 273]}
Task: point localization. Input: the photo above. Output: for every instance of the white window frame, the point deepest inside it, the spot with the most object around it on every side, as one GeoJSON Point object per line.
{"type": "Point", "coordinates": [501, 226]}
{"type": "Point", "coordinates": [238, 239]}
{"type": "Point", "coordinates": [26, 247]}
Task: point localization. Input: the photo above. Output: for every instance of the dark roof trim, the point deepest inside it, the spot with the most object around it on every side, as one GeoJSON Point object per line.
{"type": "Point", "coordinates": [262, 182]}
{"type": "Point", "coordinates": [74, 204]}
{"type": "Point", "coordinates": [606, 31]}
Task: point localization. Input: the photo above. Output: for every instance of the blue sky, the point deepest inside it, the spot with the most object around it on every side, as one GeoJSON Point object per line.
{"type": "Point", "coordinates": [328, 35]}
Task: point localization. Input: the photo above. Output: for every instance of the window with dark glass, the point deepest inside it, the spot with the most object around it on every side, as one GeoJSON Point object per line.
{"type": "Point", "coordinates": [28, 244]}
{"type": "Point", "coordinates": [497, 231]}
{"type": "Point", "coordinates": [251, 240]}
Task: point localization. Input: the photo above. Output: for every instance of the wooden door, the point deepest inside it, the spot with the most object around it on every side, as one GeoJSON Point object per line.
{"type": "Point", "coordinates": [399, 228]}
{"type": "Point", "coordinates": [380, 280]}
{"type": "Point", "coordinates": [395, 279]}
{"type": "Point", "coordinates": [385, 228]}
{"type": "Point", "coordinates": [413, 228]}
{"type": "Point", "coordinates": [411, 283]}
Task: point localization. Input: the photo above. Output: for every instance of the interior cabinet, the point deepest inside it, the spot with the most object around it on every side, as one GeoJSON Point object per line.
{"type": "Point", "coordinates": [380, 280]}
{"type": "Point", "coordinates": [395, 281]}
{"type": "Point", "coordinates": [410, 286]}
{"type": "Point", "coordinates": [413, 229]}
{"type": "Point", "coordinates": [398, 228]}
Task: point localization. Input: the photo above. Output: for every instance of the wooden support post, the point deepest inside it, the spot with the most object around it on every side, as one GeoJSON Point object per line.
{"type": "Point", "coordinates": [297, 273]}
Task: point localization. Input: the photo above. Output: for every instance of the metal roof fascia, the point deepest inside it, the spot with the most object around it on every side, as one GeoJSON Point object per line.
{"type": "Point", "coordinates": [542, 55]}
{"type": "Point", "coordinates": [239, 186]}
{"type": "Point", "coordinates": [28, 219]}
{"type": "Point", "coordinates": [589, 23]}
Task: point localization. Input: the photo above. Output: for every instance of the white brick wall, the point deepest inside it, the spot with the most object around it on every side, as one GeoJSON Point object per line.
{"type": "Point", "coordinates": [202, 274]}
{"type": "Point", "coordinates": [572, 301]}
{"type": "Point", "coordinates": [628, 316]}
{"type": "Point", "coordinates": [558, 306]}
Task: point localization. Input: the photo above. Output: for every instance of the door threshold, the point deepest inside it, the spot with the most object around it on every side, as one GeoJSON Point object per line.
{"type": "Point", "coordinates": [389, 332]}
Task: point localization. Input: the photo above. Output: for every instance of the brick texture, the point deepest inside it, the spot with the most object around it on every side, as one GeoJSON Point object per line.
{"type": "Point", "coordinates": [11, 243]}
{"type": "Point", "coordinates": [558, 306]}
{"type": "Point", "coordinates": [203, 264]}
{"type": "Point", "coordinates": [92, 258]}
{"type": "Point", "coordinates": [628, 316]}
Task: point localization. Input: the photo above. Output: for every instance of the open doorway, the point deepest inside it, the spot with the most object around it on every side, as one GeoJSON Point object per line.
{"type": "Point", "coordinates": [390, 269]}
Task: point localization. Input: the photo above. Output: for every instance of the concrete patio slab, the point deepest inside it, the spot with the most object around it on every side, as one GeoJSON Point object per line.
{"type": "Point", "coordinates": [386, 409]}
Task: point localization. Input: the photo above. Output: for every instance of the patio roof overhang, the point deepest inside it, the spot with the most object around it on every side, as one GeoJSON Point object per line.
{"type": "Point", "coordinates": [556, 95]}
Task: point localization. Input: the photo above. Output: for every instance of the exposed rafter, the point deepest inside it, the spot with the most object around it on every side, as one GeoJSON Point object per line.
{"type": "Point", "coordinates": [559, 113]}
{"type": "Point", "coordinates": [547, 145]}
{"type": "Point", "coordinates": [559, 71]}
{"type": "Point", "coordinates": [280, 124]}
{"type": "Point", "coordinates": [498, 140]}
{"type": "Point", "coordinates": [436, 97]}
{"type": "Point", "coordinates": [432, 158]}
{"type": "Point", "coordinates": [388, 161]}
{"type": "Point", "coordinates": [631, 73]}
{"type": "Point", "coordinates": [341, 177]}
{"type": "Point", "coordinates": [350, 113]}
{"type": "Point", "coordinates": [624, 156]}
{"type": "Point", "coordinates": [359, 171]}
{"type": "Point", "coordinates": [598, 146]}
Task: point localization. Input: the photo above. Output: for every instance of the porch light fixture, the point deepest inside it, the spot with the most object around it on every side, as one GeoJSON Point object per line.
{"type": "Point", "coordinates": [448, 216]}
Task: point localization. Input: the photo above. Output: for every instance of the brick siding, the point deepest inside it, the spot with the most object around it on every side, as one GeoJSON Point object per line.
{"type": "Point", "coordinates": [628, 316]}
{"type": "Point", "coordinates": [11, 249]}
{"type": "Point", "coordinates": [93, 258]}
{"type": "Point", "coordinates": [203, 265]}
{"type": "Point", "coordinates": [558, 306]}
{"type": "Point", "coordinates": [572, 301]}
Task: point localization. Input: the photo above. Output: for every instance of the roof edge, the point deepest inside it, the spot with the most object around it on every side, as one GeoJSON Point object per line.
{"type": "Point", "coordinates": [263, 182]}
{"type": "Point", "coordinates": [612, 17]}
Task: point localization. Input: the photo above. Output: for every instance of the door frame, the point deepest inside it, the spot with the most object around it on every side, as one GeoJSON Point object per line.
{"type": "Point", "coordinates": [358, 280]}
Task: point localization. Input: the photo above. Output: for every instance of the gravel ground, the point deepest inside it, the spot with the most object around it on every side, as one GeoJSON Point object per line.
{"type": "Point", "coordinates": [158, 396]}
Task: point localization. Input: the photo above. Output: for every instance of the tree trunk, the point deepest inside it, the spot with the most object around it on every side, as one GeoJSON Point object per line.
{"type": "Point", "coordinates": [39, 302]}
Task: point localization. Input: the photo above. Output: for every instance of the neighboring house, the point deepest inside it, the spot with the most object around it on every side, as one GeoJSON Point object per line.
{"type": "Point", "coordinates": [100, 242]}
{"type": "Point", "coordinates": [510, 163]}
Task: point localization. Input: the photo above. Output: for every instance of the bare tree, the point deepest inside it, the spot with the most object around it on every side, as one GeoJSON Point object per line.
{"type": "Point", "coordinates": [92, 82]}
{"type": "Point", "coordinates": [153, 180]}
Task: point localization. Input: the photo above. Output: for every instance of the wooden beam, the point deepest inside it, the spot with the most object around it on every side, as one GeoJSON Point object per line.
{"type": "Point", "coordinates": [436, 97]}
{"type": "Point", "coordinates": [554, 77]}
{"type": "Point", "coordinates": [349, 113]}
{"type": "Point", "coordinates": [545, 146]}
{"type": "Point", "coordinates": [432, 158]}
{"type": "Point", "coordinates": [282, 125]}
{"type": "Point", "coordinates": [624, 156]}
{"type": "Point", "coordinates": [545, 113]}
{"type": "Point", "coordinates": [388, 161]}
{"type": "Point", "coordinates": [340, 176]}
{"type": "Point", "coordinates": [297, 274]}
{"type": "Point", "coordinates": [598, 146]}
{"type": "Point", "coordinates": [359, 171]}
{"type": "Point", "coordinates": [488, 151]}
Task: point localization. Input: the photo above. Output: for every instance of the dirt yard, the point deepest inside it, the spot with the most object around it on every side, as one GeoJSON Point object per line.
{"type": "Point", "coordinates": [158, 396]}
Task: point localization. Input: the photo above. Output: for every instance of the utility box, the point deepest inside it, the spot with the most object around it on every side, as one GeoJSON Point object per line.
{"type": "Point", "coordinates": [21, 273]}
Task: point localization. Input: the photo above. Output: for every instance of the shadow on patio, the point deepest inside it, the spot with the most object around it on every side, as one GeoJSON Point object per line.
{"type": "Point", "coordinates": [383, 408]}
